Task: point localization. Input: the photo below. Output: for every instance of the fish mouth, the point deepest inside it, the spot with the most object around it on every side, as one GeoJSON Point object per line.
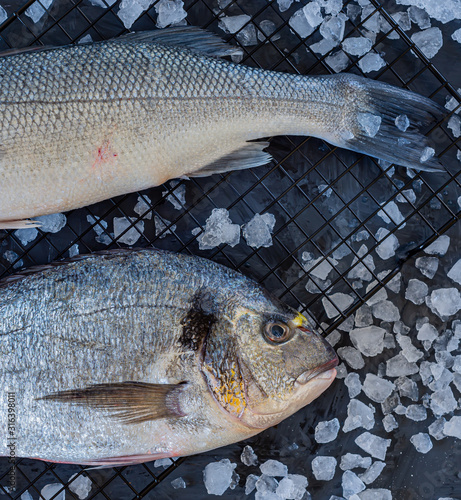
{"type": "Point", "coordinates": [323, 371]}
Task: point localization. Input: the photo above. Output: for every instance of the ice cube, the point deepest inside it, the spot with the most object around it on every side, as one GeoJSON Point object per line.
{"type": "Point", "coordinates": [299, 485]}
{"type": "Point", "coordinates": [389, 245]}
{"type": "Point", "coordinates": [368, 340]}
{"type": "Point", "coordinates": [373, 23]}
{"type": "Point", "coordinates": [369, 123]}
{"type": "Point", "coordinates": [407, 388]}
{"type": "Point", "coordinates": [375, 494]}
{"type": "Point", "coordinates": [341, 371]}
{"type": "Point", "coordinates": [3, 15]}
{"type": "Point", "coordinates": [266, 484]}
{"type": "Point", "coordinates": [170, 12]}
{"type": "Point", "coordinates": [427, 266]}
{"type": "Point", "coordinates": [178, 196]}
{"type": "Point", "coordinates": [390, 212]}
{"type": "Point", "coordinates": [379, 296]}
{"type": "Point", "coordinates": [299, 23]}
{"type": "Point", "coordinates": [352, 357]}
{"type": "Point", "coordinates": [326, 431]}
{"type": "Point", "coordinates": [374, 445]}
{"type": "Point", "coordinates": [338, 61]}
{"type": "Point", "coordinates": [323, 468]}
{"type": "Point", "coordinates": [323, 47]}
{"type": "Point", "coordinates": [403, 20]}
{"type": "Point", "coordinates": [129, 12]}
{"type": "Point", "coordinates": [336, 303]}
{"type": "Point", "coordinates": [445, 301]}
{"type": "Point", "coordinates": [429, 41]}
{"type": "Point", "coordinates": [25, 236]}
{"type": "Point", "coordinates": [371, 62]}
{"type": "Point", "coordinates": [232, 24]}
{"type": "Point", "coordinates": [266, 28]}
{"type": "Point", "coordinates": [257, 232]}
{"type": "Point", "coordinates": [274, 468]}
{"type": "Point", "coordinates": [142, 207]}
{"type": "Point", "coordinates": [427, 154]}
{"type": "Point", "coordinates": [377, 388]}
{"type": "Point", "coordinates": [217, 476]}
{"type": "Point", "coordinates": [13, 257]}
{"type": "Point", "coordinates": [442, 402]}
{"type": "Point", "coordinates": [250, 484]}
{"type": "Point", "coordinates": [353, 11]}
{"type": "Point", "coordinates": [313, 15]}
{"type": "Point", "coordinates": [419, 17]}
{"type": "Point", "coordinates": [453, 427]}
{"type": "Point", "coordinates": [284, 4]}
{"type": "Point", "coordinates": [178, 483]}
{"type": "Point", "coordinates": [416, 412]}
{"type": "Point", "coordinates": [248, 456]}
{"type": "Point", "coordinates": [51, 223]}
{"type": "Point", "coordinates": [390, 423]}
{"type": "Point", "coordinates": [457, 35]}
{"type": "Point", "coordinates": [358, 415]}
{"type": "Point", "coordinates": [353, 384]}
{"type": "Point", "coordinates": [163, 462]}
{"type": "Point", "coordinates": [422, 442]}
{"type": "Point", "coordinates": [363, 316]}
{"type": "Point", "coordinates": [455, 272]}
{"type": "Point", "coordinates": [362, 270]}
{"type": "Point", "coordinates": [454, 124]}
{"type": "Point", "coordinates": [352, 461]}
{"type": "Point", "coordinates": [402, 122]}
{"type": "Point", "coordinates": [407, 195]}
{"type": "Point", "coordinates": [416, 291]}
{"type": "Point", "coordinates": [373, 472]}
{"type": "Point", "coordinates": [37, 10]}
{"type": "Point", "coordinates": [351, 484]}
{"type": "Point", "coordinates": [247, 35]}
{"type": "Point", "coordinates": [399, 366]}
{"type": "Point", "coordinates": [321, 267]}
{"type": "Point", "coordinates": [81, 485]}
{"type": "Point", "coordinates": [50, 491]}
{"type": "Point", "coordinates": [219, 229]}
{"type": "Point", "coordinates": [386, 311]}
{"type": "Point", "coordinates": [333, 27]}
{"type": "Point", "coordinates": [357, 46]}
{"type": "Point", "coordinates": [132, 235]}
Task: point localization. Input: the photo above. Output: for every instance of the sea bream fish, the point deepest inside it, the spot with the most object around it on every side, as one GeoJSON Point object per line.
{"type": "Point", "coordinates": [86, 122]}
{"type": "Point", "coordinates": [129, 356]}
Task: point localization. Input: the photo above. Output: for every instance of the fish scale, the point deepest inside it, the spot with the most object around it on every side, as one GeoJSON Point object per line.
{"type": "Point", "coordinates": [83, 123]}
{"type": "Point", "coordinates": [186, 327]}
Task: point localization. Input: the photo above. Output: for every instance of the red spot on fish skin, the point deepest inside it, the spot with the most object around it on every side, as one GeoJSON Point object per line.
{"type": "Point", "coordinates": [104, 154]}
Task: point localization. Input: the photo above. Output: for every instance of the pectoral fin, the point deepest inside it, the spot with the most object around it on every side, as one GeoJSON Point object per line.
{"type": "Point", "coordinates": [19, 224]}
{"type": "Point", "coordinates": [130, 402]}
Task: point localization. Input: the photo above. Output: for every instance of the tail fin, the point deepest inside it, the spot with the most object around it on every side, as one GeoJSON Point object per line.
{"type": "Point", "coordinates": [369, 99]}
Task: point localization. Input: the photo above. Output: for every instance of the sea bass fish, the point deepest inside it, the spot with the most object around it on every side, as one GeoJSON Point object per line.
{"type": "Point", "coordinates": [129, 356]}
{"type": "Point", "coordinates": [83, 123]}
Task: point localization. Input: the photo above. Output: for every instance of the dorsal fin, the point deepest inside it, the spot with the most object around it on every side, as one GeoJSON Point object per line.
{"type": "Point", "coordinates": [188, 37]}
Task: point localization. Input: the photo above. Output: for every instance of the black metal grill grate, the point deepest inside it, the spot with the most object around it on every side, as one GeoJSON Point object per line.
{"type": "Point", "coordinates": [323, 198]}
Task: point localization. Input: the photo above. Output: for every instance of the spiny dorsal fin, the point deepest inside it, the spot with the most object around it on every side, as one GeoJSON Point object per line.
{"type": "Point", "coordinates": [189, 37]}
{"type": "Point", "coordinates": [130, 402]}
{"type": "Point", "coordinates": [250, 155]}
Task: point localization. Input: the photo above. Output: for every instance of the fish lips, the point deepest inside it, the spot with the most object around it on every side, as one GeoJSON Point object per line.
{"type": "Point", "coordinates": [324, 370]}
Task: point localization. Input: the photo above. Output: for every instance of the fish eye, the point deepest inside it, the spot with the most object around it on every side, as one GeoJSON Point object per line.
{"type": "Point", "coordinates": [277, 332]}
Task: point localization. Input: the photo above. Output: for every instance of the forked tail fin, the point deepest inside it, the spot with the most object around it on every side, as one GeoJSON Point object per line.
{"type": "Point", "coordinates": [370, 125]}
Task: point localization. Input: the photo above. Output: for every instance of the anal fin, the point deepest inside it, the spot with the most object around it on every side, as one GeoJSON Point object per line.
{"type": "Point", "coordinates": [250, 155]}
{"type": "Point", "coordinates": [19, 224]}
{"type": "Point", "coordinates": [130, 402]}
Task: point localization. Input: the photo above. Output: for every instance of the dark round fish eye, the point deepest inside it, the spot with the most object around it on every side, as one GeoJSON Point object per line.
{"type": "Point", "coordinates": [277, 332]}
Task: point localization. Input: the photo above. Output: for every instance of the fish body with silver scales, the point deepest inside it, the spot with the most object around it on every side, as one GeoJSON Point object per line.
{"type": "Point", "coordinates": [129, 356]}
{"type": "Point", "coordinates": [83, 123]}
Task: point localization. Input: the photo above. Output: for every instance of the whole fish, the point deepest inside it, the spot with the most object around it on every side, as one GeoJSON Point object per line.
{"type": "Point", "coordinates": [130, 356]}
{"type": "Point", "coordinates": [83, 123]}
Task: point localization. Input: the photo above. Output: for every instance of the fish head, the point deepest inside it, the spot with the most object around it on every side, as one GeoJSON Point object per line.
{"type": "Point", "coordinates": [264, 361]}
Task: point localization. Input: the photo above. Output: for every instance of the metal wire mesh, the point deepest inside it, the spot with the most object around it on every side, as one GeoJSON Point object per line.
{"type": "Point", "coordinates": [325, 200]}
